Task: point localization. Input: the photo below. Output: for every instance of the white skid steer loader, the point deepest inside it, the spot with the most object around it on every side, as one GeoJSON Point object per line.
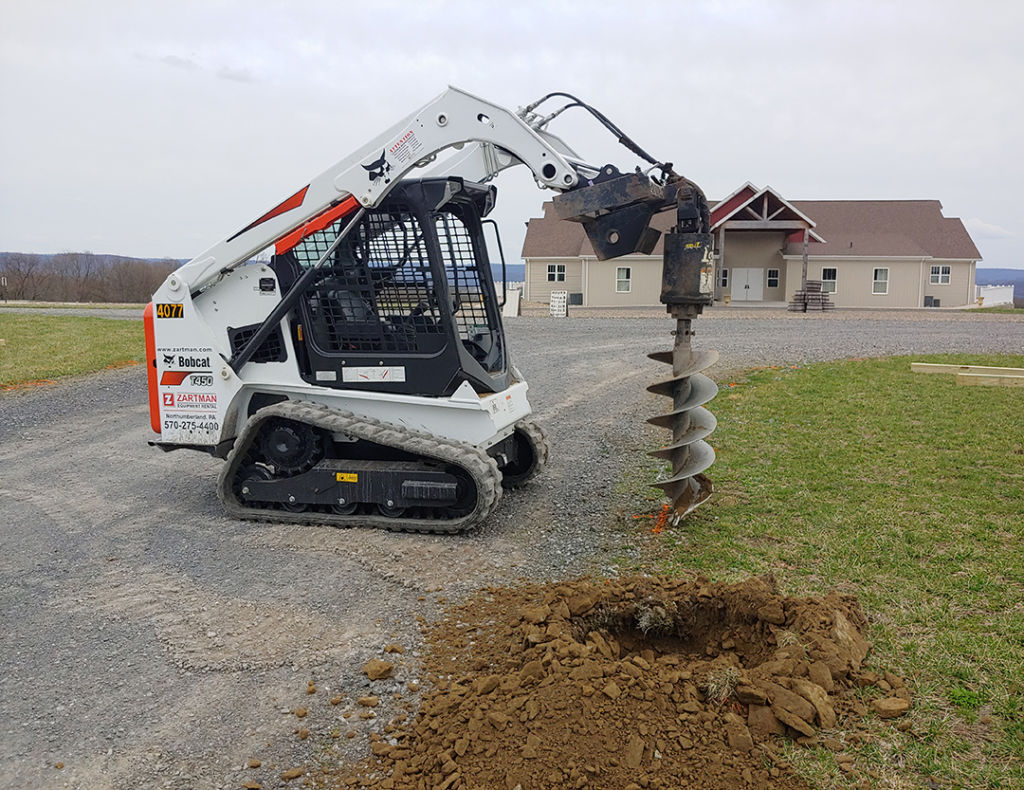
{"type": "Point", "coordinates": [344, 352]}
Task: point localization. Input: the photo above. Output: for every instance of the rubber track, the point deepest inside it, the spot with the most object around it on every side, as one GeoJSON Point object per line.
{"type": "Point", "coordinates": [539, 439]}
{"type": "Point", "coordinates": [474, 461]}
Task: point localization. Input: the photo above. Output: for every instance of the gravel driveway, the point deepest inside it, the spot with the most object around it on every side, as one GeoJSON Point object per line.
{"type": "Point", "coordinates": [148, 641]}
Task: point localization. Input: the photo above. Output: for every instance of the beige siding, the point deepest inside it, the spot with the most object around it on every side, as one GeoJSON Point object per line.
{"type": "Point", "coordinates": [645, 282]}
{"type": "Point", "coordinates": [539, 288]}
{"type": "Point", "coordinates": [854, 280]}
{"type": "Point", "coordinates": [960, 289]}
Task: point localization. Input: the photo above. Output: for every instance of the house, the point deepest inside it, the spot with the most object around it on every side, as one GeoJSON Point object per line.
{"type": "Point", "coordinates": [867, 253]}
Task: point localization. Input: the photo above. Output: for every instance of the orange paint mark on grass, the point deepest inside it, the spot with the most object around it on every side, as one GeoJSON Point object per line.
{"type": "Point", "coordinates": [26, 384]}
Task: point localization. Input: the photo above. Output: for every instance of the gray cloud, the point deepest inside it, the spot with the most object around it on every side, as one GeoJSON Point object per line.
{"type": "Point", "coordinates": [821, 100]}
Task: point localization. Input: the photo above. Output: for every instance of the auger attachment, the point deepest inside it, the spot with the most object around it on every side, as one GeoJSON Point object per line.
{"type": "Point", "coordinates": [616, 211]}
{"type": "Point", "coordinates": [687, 282]}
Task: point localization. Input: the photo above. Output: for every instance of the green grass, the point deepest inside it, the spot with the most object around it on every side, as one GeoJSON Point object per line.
{"type": "Point", "coordinates": [1006, 309]}
{"type": "Point", "coordinates": [908, 491]}
{"type": "Point", "coordinates": [38, 348]}
{"type": "Point", "coordinates": [30, 305]}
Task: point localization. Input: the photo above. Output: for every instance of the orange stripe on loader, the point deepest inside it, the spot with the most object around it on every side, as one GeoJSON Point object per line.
{"type": "Point", "coordinates": [154, 393]}
{"type": "Point", "coordinates": [318, 222]}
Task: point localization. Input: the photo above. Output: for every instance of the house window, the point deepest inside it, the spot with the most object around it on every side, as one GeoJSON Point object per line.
{"type": "Point", "coordinates": [880, 282]}
{"type": "Point", "coordinates": [724, 281]}
{"type": "Point", "coordinates": [773, 278]}
{"type": "Point", "coordinates": [828, 281]}
{"type": "Point", "coordinates": [556, 272]}
{"type": "Point", "coordinates": [622, 279]}
{"type": "Point", "coordinates": [940, 275]}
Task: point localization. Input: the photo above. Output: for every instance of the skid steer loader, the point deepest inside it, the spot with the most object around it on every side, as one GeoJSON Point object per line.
{"type": "Point", "coordinates": [344, 352]}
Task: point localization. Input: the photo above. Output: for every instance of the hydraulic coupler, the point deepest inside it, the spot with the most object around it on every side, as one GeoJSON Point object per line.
{"type": "Point", "coordinates": [687, 286]}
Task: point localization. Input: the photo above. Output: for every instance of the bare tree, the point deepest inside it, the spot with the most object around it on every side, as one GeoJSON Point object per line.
{"type": "Point", "coordinates": [26, 275]}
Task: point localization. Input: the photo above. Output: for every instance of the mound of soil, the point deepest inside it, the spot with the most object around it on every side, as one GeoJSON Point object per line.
{"type": "Point", "coordinates": [633, 683]}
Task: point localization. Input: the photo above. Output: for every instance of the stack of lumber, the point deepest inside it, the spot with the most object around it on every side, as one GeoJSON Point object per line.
{"type": "Point", "coordinates": [975, 375]}
{"type": "Point", "coordinates": [811, 299]}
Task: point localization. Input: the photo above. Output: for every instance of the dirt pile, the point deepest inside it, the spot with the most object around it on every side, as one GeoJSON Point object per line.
{"type": "Point", "coordinates": [633, 683]}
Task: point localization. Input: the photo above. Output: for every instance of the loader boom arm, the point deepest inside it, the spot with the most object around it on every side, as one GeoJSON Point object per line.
{"type": "Point", "coordinates": [493, 136]}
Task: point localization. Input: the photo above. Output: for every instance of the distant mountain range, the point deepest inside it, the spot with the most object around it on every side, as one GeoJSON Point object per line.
{"type": "Point", "coordinates": [1014, 277]}
{"type": "Point", "coordinates": [514, 272]}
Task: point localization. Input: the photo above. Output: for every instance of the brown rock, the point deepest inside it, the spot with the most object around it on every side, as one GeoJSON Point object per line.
{"type": "Point", "coordinates": [612, 690]}
{"type": "Point", "coordinates": [532, 670]}
{"type": "Point", "coordinates": [772, 612]}
{"type": "Point", "coordinates": [488, 684]}
{"type": "Point", "coordinates": [581, 602]}
{"type": "Point", "coordinates": [890, 707]}
{"type": "Point", "coordinates": [787, 700]}
{"type": "Point", "coordinates": [255, 763]}
{"type": "Point", "coordinates": [894, 680]}
{"type": "Point", "coordinates": [252, 786]}
{"type": "Point", "coordinates": [497, 719]}
{"type": "Point", "coordinates": [393, 648]}
{"type": "Point", "coordinates": [531, 746]}
{"type": "Point", "coordinates": [294, 773]}
{"type": "Point", "coordinates": [751, 695]}
{"type": "Point", "coordinates": [819, 673]}
{"type": "Point", "coordinates": [796, 722]}
{"type": "Point", "coordinates": [303, 733]}
{"type": "Point", "coordinates": [301, 712]}
{"type": "Point", "coordinates": [368, 701]}
{"type": "Point", "coordinates": [816, 695]}
{"type": "Point", "coordinates": [762, 722]}
{"type": "Point", "coordinates": [336, 700]}
{"type": "Point", "coordinates": [376, 669]}
{"type": "Point", "coordinates": [849, 639]}
{"type": "Point", "coordinates": [634, 754]}
{"type": "Point", "coordinates": [534, 614]}
{"type": "Point", "coordinates": [737, 734]}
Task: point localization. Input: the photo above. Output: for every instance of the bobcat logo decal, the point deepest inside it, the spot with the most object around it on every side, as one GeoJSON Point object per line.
{"type": "Point", "coordinates": [378, 169]}
{"type": "Point", "coordinates": [168, 359]}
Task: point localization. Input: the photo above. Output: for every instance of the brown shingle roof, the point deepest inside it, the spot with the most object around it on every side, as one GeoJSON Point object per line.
{"type": "Point", "coordinates": [885, 227]}
{"type": "Point", "coordinates": [548, 237]}
{"type": "Point", "coordinates": [873, 227]}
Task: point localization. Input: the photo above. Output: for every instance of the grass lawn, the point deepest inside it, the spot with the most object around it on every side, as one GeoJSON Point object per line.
{"type": "Point", "coordinates": [39, 348]}
{"type": "Point", "coordinates": [1001, 309]}
{"type": "Point", "coordinates": [908, 491]}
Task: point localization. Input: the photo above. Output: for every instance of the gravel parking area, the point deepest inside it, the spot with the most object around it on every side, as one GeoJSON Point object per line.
{"type": "Point", "coordinates": [147, 640]}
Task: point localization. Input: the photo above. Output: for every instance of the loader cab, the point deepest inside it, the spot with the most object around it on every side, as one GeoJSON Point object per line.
{"type": "Point", "coordinates": [406, 302]}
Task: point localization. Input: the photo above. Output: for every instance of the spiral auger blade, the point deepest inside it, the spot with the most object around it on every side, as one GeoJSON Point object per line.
{"type": "Point", "coordinates": [689, 421]}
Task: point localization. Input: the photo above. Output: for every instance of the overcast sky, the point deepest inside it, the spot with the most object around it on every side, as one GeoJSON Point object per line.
{"type": "Point", "coordinates": [157, 129]}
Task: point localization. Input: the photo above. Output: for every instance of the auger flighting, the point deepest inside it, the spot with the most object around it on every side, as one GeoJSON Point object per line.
{"type": "Point", "coordinates": [687, 286]}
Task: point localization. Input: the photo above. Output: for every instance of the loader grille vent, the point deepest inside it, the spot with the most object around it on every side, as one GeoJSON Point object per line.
{"type": "Point", "coordinates": [270, 350]}
{"type": "Point", "coordinates": [377, 293]}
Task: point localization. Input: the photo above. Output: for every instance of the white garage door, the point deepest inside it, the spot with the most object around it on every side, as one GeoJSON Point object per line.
{"type": "Point", "coordinates": [747, 285]}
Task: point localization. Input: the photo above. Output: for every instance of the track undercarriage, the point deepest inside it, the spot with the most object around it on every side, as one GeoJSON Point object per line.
{"type": "Point", "coordinates": [305, 463]}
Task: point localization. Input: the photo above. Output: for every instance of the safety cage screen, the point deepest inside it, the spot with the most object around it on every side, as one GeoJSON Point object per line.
{"type": "Point", "coordinates": [377, 293]}
{"type": "Point", "coordinates": [469, 305]}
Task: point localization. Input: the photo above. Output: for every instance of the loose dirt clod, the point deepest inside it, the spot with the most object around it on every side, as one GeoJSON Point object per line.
{"type": "Point", "coordinates": [649, 682]}
{"type": "Point", "coordinates": [376, 669]}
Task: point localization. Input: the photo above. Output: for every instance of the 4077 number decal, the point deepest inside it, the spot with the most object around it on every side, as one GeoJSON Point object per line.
{"type": "Point", "coordinates": [170, 310]}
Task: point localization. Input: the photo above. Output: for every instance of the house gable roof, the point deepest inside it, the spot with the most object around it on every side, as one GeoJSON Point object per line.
{"type": "Point", "coordinates": [850, 228]}
{"type": "Point", "coordinates": [750, 203]}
